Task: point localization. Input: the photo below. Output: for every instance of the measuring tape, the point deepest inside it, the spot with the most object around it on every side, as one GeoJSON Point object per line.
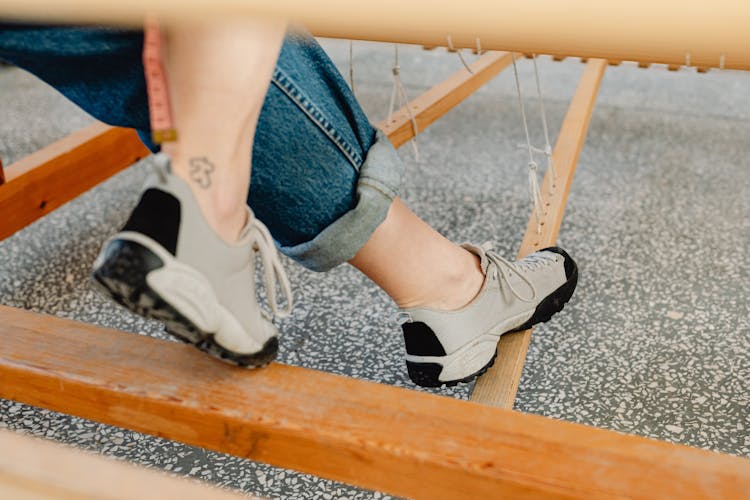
{"type": "Point", "coordinates": [159, 107]}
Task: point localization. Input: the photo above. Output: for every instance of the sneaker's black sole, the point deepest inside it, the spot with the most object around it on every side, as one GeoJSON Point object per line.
{"type": "Point", "coordinates": [122, 277]}
{"type": "Point", "coordinates": [428, 374]}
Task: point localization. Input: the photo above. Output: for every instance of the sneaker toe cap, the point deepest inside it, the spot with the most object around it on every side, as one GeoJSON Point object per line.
{"type": "Point", "coordinates": [570, 266]}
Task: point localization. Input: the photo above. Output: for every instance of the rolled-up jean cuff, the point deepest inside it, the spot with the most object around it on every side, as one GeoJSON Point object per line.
{"type": "Point", "coordinates": [377, 186]}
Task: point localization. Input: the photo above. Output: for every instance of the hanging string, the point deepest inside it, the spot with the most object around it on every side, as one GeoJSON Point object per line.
{"type": "Point", "coordinates": [460, 56]}
{"type": "Point", "coordinates": [403, 100]}
{"type": "Point", "coordinates": [547, 146]}
{"type": "Point", "coordinates": [351, 65]}
{"type": "Point", "coordinates": [534, 193]}
{"type": "Point", "coordinates": [479, 47]}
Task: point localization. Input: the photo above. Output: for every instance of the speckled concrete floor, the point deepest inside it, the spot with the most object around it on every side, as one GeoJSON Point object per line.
{"type": "Point", "coordinates": [655, 342]}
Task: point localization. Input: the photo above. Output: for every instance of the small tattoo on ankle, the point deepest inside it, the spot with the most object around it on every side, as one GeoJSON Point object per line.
{"type": "Point", "coordinates": [200, 171]}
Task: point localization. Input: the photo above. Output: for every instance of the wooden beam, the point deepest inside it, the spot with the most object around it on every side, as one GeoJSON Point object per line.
{"type": "Point", "coordinates": [2, 173]}
{"type": "Point", "coordinates": [39, 469]}
{"type": "Point", "coordinates": [661, 31]}
{"type": "Point", "coordinates": [403, 442]}
{"type": "Point", "coordinates": [42, 181]}
{"type": "Point", "coordinates": [498, 386]}
{"type": "Point", "coordinates": [441, 98]}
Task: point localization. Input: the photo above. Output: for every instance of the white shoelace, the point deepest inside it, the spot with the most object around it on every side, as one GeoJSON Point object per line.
{"type": "Point", "coordinates": [507, 268]}
{"type": "Point", "coordinates": [273, 271]}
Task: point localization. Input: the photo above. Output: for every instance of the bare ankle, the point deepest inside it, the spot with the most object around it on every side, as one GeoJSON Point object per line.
{"type": "Point", "coordinates": [228, 223]}
{"type": "Point", "coordinates": [460, 285]}
{"type": "Point", "coordinates": [221, 191]}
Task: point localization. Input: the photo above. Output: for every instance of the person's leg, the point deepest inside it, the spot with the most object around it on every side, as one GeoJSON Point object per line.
{"type": "Point", "coordinates": [456, 300]}
{"type": "Point", "coordinates": [185, 254]}
{"type": "Point", "coordinates": [316, 158]}
{"type": "Point", "coordinates": [218, 76]}
{"type": "Point", "coordinates": [325, 183]}
{"type": "Point", "coordinates": [430, 271]}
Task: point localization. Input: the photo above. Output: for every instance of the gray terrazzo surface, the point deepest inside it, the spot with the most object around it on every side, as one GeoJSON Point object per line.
{"type": "Point", "coordinates": [655, 342]}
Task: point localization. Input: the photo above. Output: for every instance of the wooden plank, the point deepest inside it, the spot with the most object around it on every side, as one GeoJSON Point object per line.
{"type": "Point", "coordinates": [42, 181]}
{"type": "Point", "coordinates": [630, 30]}
{"type": "Point", "coordinates": [403, 442]}
{"type": "Point", "coordinates": [498, 386]}
{"type": "Point", "coordinates": [44, 470]}
{"type": "Point", "coordinates": [440, 99]}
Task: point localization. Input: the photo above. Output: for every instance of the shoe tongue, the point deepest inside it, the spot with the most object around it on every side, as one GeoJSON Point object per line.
{"type": "Point", "coordinates": [479, 252]}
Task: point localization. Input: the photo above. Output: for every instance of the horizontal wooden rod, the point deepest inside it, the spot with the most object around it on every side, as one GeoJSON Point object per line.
{"type": "Point", "coordinates": [391, 439]}
{"type": "Point", "coordinates": [684, 32]}
{"type": "Point", "coordinates": [443, 97]}
{"type": "Point", "coordinates": [54, 175]}
{"type": "Point", "coordinates": [39, 469]}
{"type": "Point", "coordinates": [499, 385]}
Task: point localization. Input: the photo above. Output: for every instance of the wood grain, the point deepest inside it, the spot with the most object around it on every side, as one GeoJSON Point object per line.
{"type": "Point", "coordinates": [45, 180]}
{"type": "Point", "coordinates": [376, 436]}
{"type": "Point", "coordinates": [44, 470]}
{"type": "Point", "coordinates": [499, 385]}
{"type": "Point", "coordinates": [441, 98]}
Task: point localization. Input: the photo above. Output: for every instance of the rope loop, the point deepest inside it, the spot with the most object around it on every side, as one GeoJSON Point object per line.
{"type": "Point", "coordinates": [460, 55]}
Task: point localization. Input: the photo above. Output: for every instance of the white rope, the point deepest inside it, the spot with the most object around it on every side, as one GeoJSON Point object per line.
{"type": "Point", "coordinates": [403, 100]}
{"type": "Point", "coordinates": [547, 146]}
{"type": "Point", "coordinates": [534, 193]}
{"type": "Point", "coordinates": [460, 55]}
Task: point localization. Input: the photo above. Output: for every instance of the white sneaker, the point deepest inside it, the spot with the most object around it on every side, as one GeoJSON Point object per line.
{"type": "Point", "coordinates": [448, 347]}
{"type": "Point", "coordinates": [168, 264]}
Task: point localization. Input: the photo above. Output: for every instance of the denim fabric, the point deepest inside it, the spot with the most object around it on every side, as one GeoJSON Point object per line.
{"type": "Point", "coordinates": [323, 177]}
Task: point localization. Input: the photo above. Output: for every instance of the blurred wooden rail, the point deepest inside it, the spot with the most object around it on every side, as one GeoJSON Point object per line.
{"type": "Point", "coordinates": [37, 469]}
{"type": "Point", "coordinates": [674, 32]}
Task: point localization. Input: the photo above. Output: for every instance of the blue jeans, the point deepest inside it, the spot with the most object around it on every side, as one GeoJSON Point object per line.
{"type": "Point", "coordinates": [323, 177]}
